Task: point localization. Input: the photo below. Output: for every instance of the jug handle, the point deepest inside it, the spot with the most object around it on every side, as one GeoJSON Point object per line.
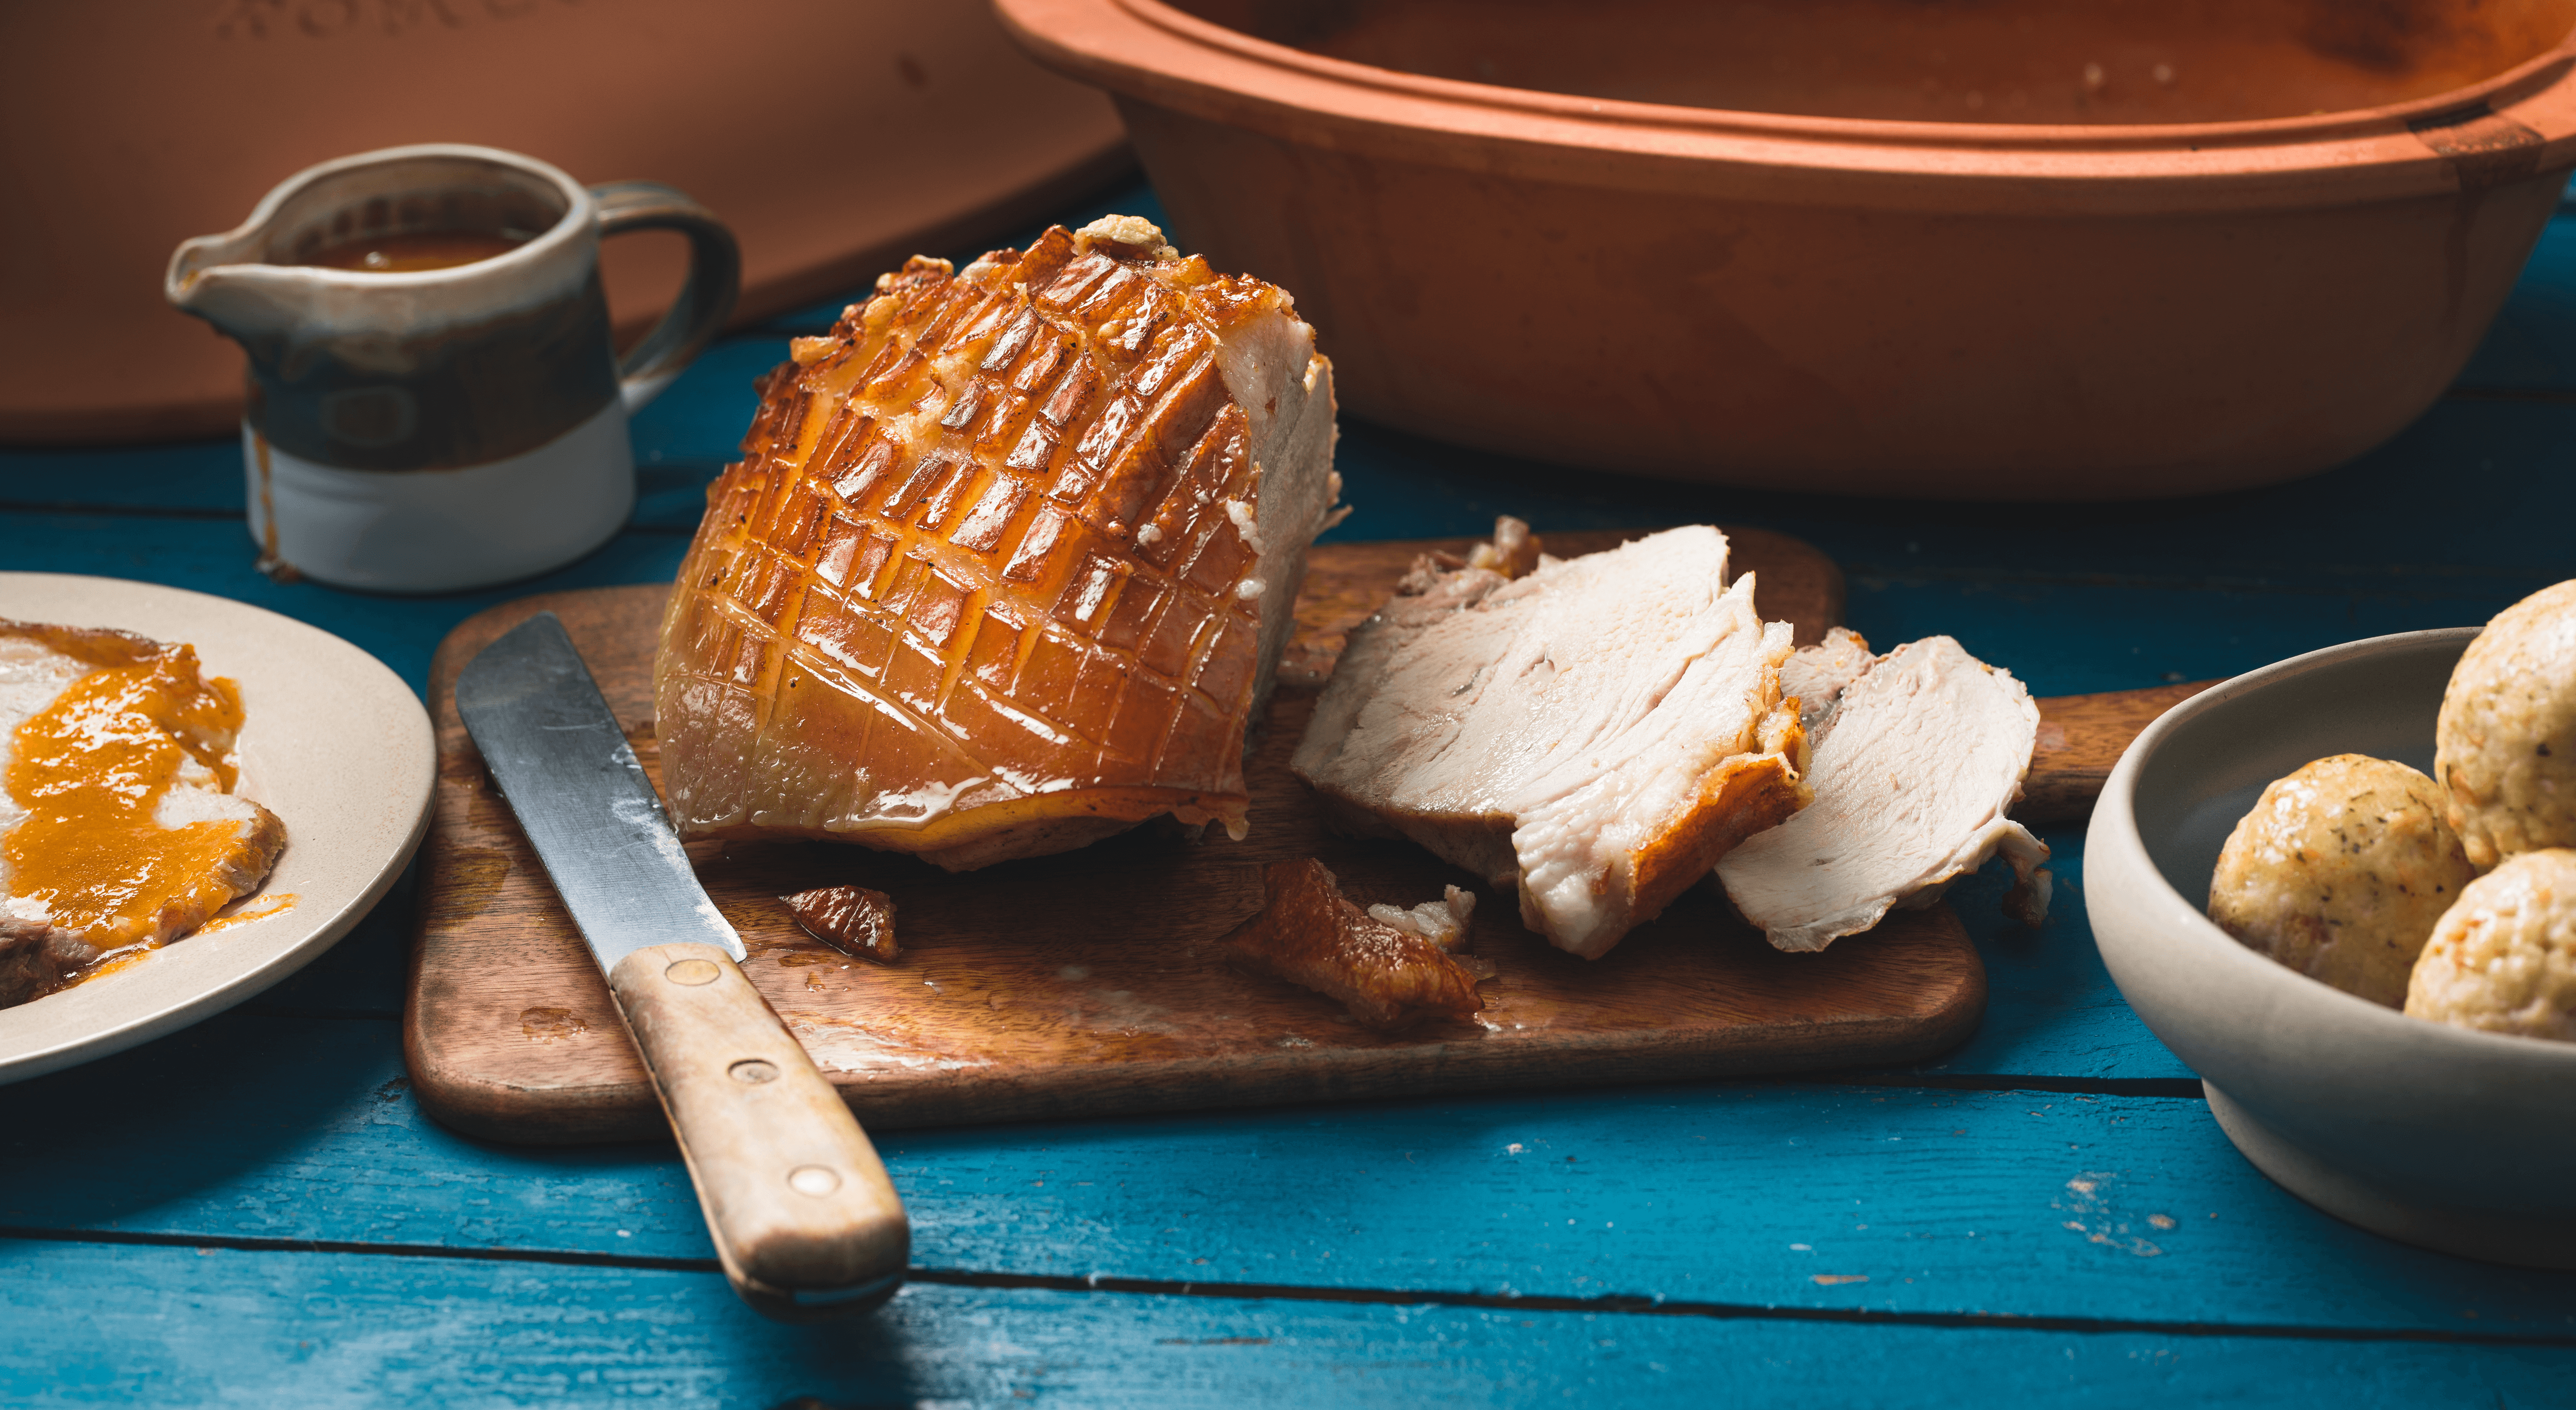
{"type": "Point", "coordinates": [706, 297]}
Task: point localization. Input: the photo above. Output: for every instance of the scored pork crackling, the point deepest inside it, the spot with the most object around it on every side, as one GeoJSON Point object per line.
{"type": "Point", "coordinates": [1009, 561]}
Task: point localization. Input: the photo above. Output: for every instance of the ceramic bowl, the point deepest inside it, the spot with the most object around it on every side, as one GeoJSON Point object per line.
{"type": "Point", "coordinates": [2438, 1136]}
{"type": "Point", "coordinates": [2013, 250]}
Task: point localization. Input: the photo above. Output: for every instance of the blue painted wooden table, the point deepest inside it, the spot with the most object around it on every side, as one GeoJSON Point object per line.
{"type": "Point", "coordinates": [255, 1210]}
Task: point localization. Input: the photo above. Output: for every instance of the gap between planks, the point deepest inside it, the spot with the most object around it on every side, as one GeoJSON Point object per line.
{"type": "Point", "coordinates": [1616, 1304]}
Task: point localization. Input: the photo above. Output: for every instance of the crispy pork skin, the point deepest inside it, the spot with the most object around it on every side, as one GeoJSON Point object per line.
{"type": "Point", "coordinates": [119, 829]}
{"type": "Point", "coordinates": [1391, 974]}
{"type": "Point", "coordinates": [1595, 733]}
{"type": "Point", "coordinates": [1915, 761]}
{"type": "Point", "coordinates": [1009, 560]}
{"type": "Point", "coordinates": [851, 919]}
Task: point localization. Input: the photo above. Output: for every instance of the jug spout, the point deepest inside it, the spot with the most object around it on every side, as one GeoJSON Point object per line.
{"type": "Point", "coordinates": [225, 280]}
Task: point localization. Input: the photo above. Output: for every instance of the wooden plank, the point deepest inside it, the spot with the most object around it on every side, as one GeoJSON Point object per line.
{"type": "Point", "coordinates": [2355, 534]}
{"type": "Point", "coordinates": [1106, 998]}
{"type": "Point", "coordinates": [2093, 637]}
{"type": "Point", "coordinates": [173, 1326]}
{"type": "Point", "coordinates": [190, 477]}
{"type": "Point", "coordinates": [2060, 635]}
{"type": "Point", "coordinates": [1948, 1202]}
{"type": "Point", "coordinates": [2066, 638]}
{"type": "Point", "coordinates": [2353, 530]}
{"type": "Point", "coordinates": [2217, 588]}
{"type": "Point", "coordinates": [2052, 1011]}
{"type": "Point", "coordinates": [2081, 598]}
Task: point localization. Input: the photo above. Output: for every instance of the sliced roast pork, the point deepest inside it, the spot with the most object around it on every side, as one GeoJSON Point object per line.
{"type": "Point", "coordinates": [1009, 562]}
{"type": "Point", "coordinates": [1594, 734]}
{"type": "Point", "coordinates": [1817, 674]}
{"type": "Point", "coordinates": [119, 829]}
{"type": "Point", "coordinates": [1915, 761]}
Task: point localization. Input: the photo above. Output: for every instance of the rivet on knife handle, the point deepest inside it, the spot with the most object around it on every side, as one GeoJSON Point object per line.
{"type": "Point", "coordinates": [805, 1220]}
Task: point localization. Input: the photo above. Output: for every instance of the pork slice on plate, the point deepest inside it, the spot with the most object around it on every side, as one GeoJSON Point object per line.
{"type": "Point", "coordinates": [119, 827]}
{"type": "Point", "coordinates": [1594, 734]}
{"type": "Point", "coordinates": [1915, 761]}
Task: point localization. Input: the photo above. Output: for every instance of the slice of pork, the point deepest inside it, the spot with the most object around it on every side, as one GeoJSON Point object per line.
{"type": "Point", "coordinates": [35, 957]}
{"type": "Point", "coordinates": [1918, 758]}
{"type": "Point", "coordinates": [1816, 674]}
{"type": "Point", "coordinates": [171, 885]}
{"type": "Point", "coordinates": [1594, 734]}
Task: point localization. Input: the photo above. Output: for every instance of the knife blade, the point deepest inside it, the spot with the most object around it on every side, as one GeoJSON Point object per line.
{"type": "Point", "coordinates": [805, 1220]}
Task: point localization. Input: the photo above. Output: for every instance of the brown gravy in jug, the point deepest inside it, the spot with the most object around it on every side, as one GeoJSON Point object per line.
{"type": "Point", "coordinates": [407, 252]}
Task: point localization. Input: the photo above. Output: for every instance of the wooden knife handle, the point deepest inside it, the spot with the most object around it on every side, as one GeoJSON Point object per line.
{"type": "Point", "coordinates": [805, 1220]}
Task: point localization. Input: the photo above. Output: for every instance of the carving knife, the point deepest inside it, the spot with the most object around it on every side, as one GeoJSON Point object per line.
{"type": "Point", "coordinates": [806, 1223]}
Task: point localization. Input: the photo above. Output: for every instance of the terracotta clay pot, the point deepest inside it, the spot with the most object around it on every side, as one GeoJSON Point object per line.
{"type": "Point", "coordinates": [834, 137]}
{"type": "Point", "coordinates": [1904, 247]}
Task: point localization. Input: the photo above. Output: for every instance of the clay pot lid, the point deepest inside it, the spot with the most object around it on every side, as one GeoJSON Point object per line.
{"type": "Point", "coordinates": [880, 129]}
{"type": "Point", "coordinates": [1153, 50]}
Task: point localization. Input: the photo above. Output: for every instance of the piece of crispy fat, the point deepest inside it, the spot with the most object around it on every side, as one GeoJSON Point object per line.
{"type": "Point", "coordinates": [1915, 761]}
{"type": "Point", "coordinates": [1390, 973]}
{"type": "Point", "coordinates": [1595, 733]}
{"type": "Point", "coordinates": [851, 919]}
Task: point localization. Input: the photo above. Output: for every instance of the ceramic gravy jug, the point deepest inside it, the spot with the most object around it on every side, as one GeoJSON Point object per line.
{"type": "Point", "coordinates": [434, 402]}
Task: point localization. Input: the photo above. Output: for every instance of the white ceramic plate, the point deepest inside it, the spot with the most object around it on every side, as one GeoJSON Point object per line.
{"type": "Point", "coordinates": [332, 742]}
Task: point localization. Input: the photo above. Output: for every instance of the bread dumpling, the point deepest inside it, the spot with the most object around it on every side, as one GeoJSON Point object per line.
{"type": "Point", "coordinates": [2340, 872]}
{"type": "Point", "coordinates": [2505, 743]}
{"type": "Point", "coordinates": [2503, 958]}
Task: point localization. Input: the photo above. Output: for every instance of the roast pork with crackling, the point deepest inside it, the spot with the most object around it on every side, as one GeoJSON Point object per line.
{"type": "Point", "coordinates": [1009, 561]}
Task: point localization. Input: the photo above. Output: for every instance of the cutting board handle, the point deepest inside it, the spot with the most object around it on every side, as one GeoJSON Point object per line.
{"type": "Point", "coordinates": [806, 1222]}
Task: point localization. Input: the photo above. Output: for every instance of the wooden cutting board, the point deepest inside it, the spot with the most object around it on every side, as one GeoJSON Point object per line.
{"type": "Point", "coordinates": [1084, 984]}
